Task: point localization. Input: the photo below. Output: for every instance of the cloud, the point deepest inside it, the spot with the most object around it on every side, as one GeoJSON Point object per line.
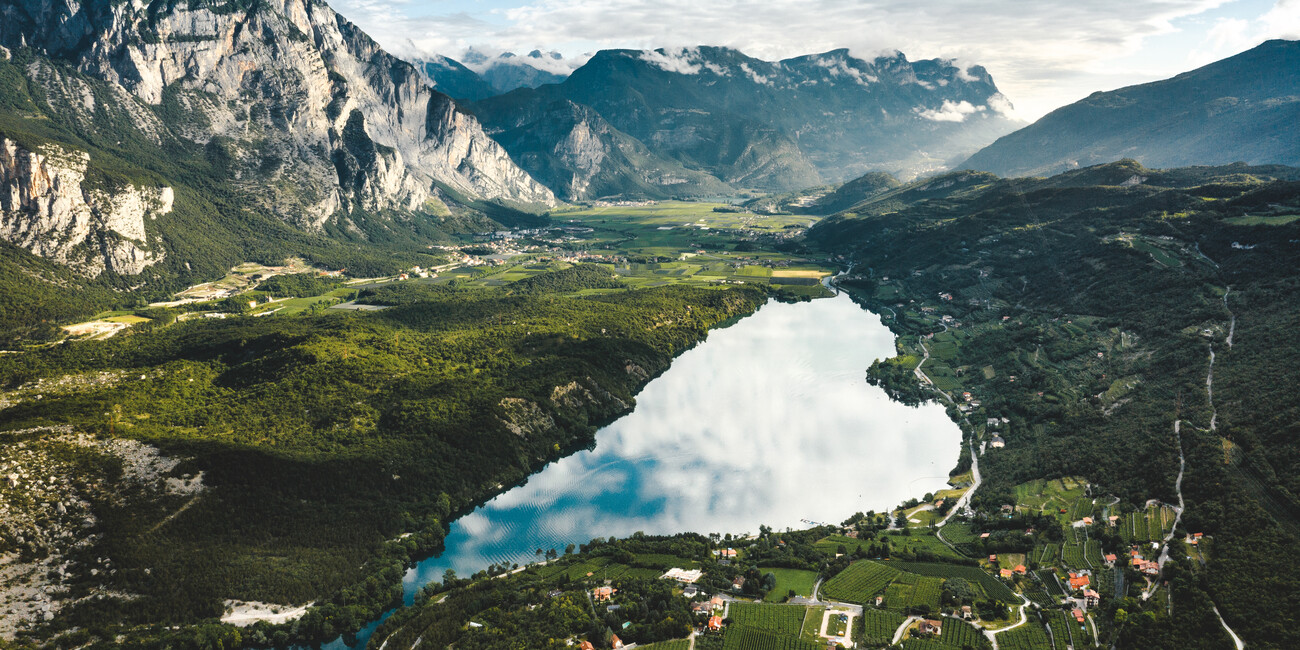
{"type": "Point", "coordinates": [837, 67]}
{"type": "Point", "coordinates": [950, 111]}
{"type": "Point", "coordinates": [999, 103]}
{"type": "Point", "coordinates": [758, 78]}
{"type": "Point", "coordinates": [1042, 55]}
{"type": "Point", "coordinates": [682, 60]}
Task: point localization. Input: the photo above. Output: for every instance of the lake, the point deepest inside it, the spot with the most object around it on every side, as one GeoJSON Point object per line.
{"type": "Point", "coordinates": [769, 421]}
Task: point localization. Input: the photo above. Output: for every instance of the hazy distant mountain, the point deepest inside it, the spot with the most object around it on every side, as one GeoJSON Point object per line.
{"type": "Point", "coordinates": [578, 153]}
{"type": "Point", "coordinates": [452, 78]}
{"type": "Point", "coordinates": [508, 71]}
{"type": "Point", "coordinates": [778, 126]}
{"type": "Point", "coordinates": [1243, 108]}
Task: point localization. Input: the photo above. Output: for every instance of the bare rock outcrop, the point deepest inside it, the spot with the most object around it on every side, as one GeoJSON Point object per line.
{"type": "Point", "coordinates": [47, 207]}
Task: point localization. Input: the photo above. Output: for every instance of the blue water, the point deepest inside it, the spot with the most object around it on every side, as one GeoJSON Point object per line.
{"type": "Point", "coordinates": [770, 421]}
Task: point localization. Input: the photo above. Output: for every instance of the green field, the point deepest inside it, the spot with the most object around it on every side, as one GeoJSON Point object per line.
{"type": "Point", "coordinates": [790, 579]}
{"type": "Point", "coordinates": [1263, 220]}
{"type": "Point", "coordinates": [860, 582]}
{"type": "Point", "coordinates": [1029, 636]}
{"type": "Point", "coordinates": [782, 619]}
{"type": "Point", "coordinates": [993, 587]}
{"type": "Point", "coordinates": [877, 627]}
{"type": "Point", "coordinates": [675, 644]}
{"type": "Point", "coordinates": [746, 638]}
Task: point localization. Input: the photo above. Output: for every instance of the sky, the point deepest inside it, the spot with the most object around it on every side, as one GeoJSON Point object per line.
{"type": "Point", "coordinates": [1042, 54]}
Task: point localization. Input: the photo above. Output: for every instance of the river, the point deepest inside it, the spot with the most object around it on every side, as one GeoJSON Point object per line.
{"type": "Point", "coordinates": [769, 421]}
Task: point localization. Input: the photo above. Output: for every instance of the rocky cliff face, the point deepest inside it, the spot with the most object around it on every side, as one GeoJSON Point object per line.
{"type": "Point", "coordinates": [314, 116]}
{"type": "Point", "coordinates": [47, 207]}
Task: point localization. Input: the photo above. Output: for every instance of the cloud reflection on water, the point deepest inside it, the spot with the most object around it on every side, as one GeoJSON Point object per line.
{"type": "Point", "coordinates": [769, 422]}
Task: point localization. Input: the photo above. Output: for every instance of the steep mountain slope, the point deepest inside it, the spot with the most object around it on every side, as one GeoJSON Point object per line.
{"type": "Point", "coordinates": [579, 154]}
{"type": "Point", "coordinates": [315, 116]}
{"type": "Point", "coordinates": [1127, 320]}
{"type": "Point", "coordinates": [855, 191]}
{"type": "Point", "coordinates": [1243, 108]}
{"type": "Point", "coordinates": [780, 126]}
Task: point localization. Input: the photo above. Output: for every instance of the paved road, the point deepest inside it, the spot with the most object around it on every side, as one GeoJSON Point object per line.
{"type": "Point", "coordinates": [993, 634]}
{"type": "Point", "coordinates": [898, 634]}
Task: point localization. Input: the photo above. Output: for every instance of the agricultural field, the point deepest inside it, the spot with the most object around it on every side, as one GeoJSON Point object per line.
{"type": "Point", "coordinates": [801, 582]}
{"type": "Point", "coordinates": [1053, 494]}
{"type": "Point", "coordinates": [782, 619]}
{"type": "Point", "coordinates": [1050, 583]}
{"type": "Point", "coordinates": [992, 587]}
{"type": "Point", "coordinates": [1047, 554]}
{"type": "Point", "coordinates": [959, 635]}
{"type": "Point", "coordinates": [959, 533]}
{"type": "Point", "coordinates": [1062, 628]}
{"type": "Point", "coordinates": [859, 582]}
{"type": "Point", "coordinates": [877, 627]}
{"type": "Point", "coordinates": [923, 539]}
{"type": "Point", "coordinates": [1030, 636]}
{"type": "Point", "coordinates": [740, 637]}
{"type": "Point", "coordinates": [1263, 220]}
{"type": "Point", "coordinates": [830, 545]}
{"type": "Point", "coordinates": [910, 590]}
{"type": "Point", "coordinates": [1092, 552]}
{"type": "Point", "coordinates": [675, 644]}
{"type": "Point", "coordinates": [1072, 556]}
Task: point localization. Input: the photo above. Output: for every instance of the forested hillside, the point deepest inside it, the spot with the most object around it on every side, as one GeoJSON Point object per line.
{"type": "Point", "coordinates": [1097, 310]}
{"type": "Point", "coordinates": [321, 442]}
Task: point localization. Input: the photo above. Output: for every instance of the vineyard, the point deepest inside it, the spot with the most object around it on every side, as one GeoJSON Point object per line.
{"type": "Point", "coordinates": [1147, 526]}
{"type": "Point", "coordinates": [927, 644]}
{"type": "Point", "coordinates": [877, 627]}
{"type": "Point", "coordinates": [1072, 556]}
{"type": "Point", "coordinates": [859, 582]}
{"type": "Point", "coordinates": [1060, 626]}
{"type": "Point", "coordinates": [1035, 593]}
{"type": "Point", "coordinates": [1048, 554]}
{"type": "Point", "coordinates": [744, 638]}
{"type": "Point", "coordinates": [783, 619]}
{"type": "Point", "coordinates": [959, 635]}
{"type": "Point", "coordinates": [959, 533]}
{"type": "Point", "coordinates": [1092, 552]}
{"type": "Point", "coordinates": [993, 588]}
{"type": "Point", "coordinates": [1050, 583]}
{"type": "Point", "coordinates": [1030, 636]}
{"type": "Point", "coordinates": [675, 644]}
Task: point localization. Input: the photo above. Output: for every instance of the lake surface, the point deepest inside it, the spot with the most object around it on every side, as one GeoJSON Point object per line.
{"type": "Point", "coordinates": [769, 421]}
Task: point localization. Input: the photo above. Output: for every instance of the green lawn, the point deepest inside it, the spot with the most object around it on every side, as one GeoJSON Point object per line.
{"type": "Point", "coordinates": [786, 579]}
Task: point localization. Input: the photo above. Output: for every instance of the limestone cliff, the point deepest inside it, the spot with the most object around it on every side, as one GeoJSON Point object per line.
{"type": "Point", "coordinates": [313, 114]}
{"type": "Point", "coordinates": [47, 208]}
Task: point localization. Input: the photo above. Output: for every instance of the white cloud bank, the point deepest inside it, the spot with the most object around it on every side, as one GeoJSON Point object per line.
{"type": "Point", "coordinates": [950, 111]}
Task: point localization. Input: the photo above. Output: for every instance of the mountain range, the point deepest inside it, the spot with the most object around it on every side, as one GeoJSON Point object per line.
{"type": "Point", "coordinates": [288, 105]}
{"type": "Point", "coordinates": [714, 117]}
{"type": "Point", "coordinates": [1244, 108]}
